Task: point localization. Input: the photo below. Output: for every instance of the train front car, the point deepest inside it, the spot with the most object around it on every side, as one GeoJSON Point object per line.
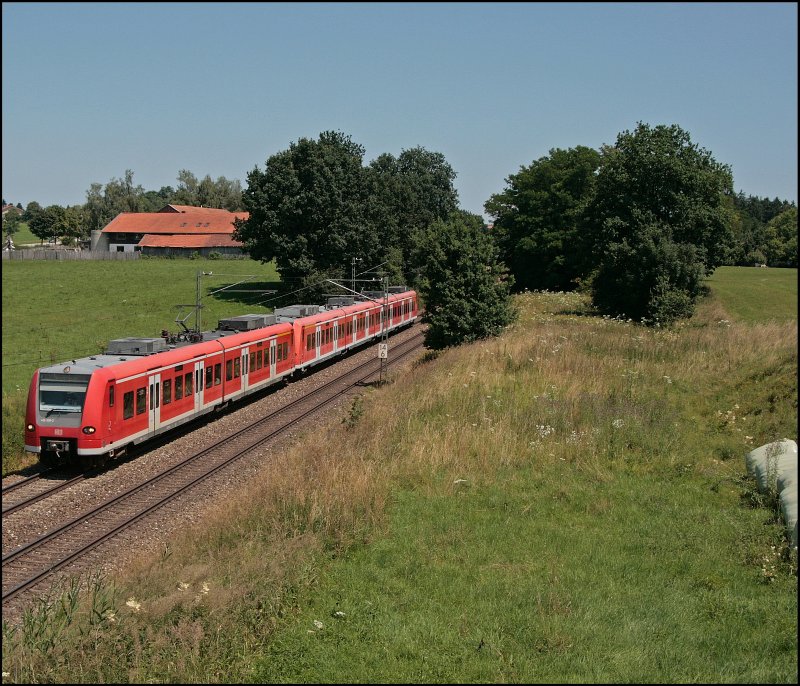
{"type": "Point", "coordinates": [58, 419]}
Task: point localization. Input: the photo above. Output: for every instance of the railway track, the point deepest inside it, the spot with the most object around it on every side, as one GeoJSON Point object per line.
{"type": "Point", "coordinates": [30, 565]}
{"type": "Point", "coordinates": [36, 488]}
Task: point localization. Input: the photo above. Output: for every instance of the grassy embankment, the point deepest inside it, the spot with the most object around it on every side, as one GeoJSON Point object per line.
{"type": "Point", "coordinates": [563, 504]}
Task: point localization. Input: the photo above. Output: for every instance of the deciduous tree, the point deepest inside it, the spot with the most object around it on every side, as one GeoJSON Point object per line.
{"type": "Point", "coordinates": [308, 208]}
{"type": "Point", "coordinates": [657, 219]}
{"type": "Point", "coordinates": [464, 285]}
{"type": "Point", "coordinates": [537, 218]}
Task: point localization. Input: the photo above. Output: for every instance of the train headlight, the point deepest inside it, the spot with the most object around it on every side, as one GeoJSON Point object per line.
{"type": "Point", "coordinates": [30, 427]}
{"type": "Point", "coordinates": [89, 429]}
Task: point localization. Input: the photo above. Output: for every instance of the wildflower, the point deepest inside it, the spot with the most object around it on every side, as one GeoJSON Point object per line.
{"type": "Point", "coordinates": [339, 614]}
{"type": "Point", "coordinates": [133, 604]}
{"type": "Point", "coordinates": [460, 481]}
{"type": "Point", "coordinates": [318, 624]}
{"type": "Point", "coordinates": [5, 674]}
{"type": "Point", "coordinates": [111, 616]}
{"type": "Point", "coordinates": [204, 590]}
{"type": "Point", "coordinates": [617, 423]}
{"type": "Point", "coordinates": [182, 585]}
{"type": "Point", "coordinates": [668, 380]}
{"type": "Point", "coordinates": [544, 430]}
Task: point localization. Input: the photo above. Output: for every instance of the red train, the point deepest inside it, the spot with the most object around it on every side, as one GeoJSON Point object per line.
{"type": "Point", "coordinates": [86, 410]}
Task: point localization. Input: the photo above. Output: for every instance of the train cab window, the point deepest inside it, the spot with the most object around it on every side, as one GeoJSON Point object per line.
{"type": "Point", "coordinates": [228, 370]}
{"type": "Point", "coordinates": [178, 387]}
{"type": "Point", "coordinates": [111, 396]}
{"type": "Point", "coordinates": [209, 372]}
{"type": "Point", "coordinates": [236, 368]}
{"type": "Point", "coordinates": [166, 398]}
{"type": "Point", "coordinates": [141, 400]}
{"type": "Point", "coordinates": [218, 374]}
{"type": "Point", "coordinates": [187, 383]}
{"type": "Point", "coordinates": [127, 405]}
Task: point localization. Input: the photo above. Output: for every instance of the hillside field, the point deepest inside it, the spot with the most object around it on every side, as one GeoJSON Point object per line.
{"type": "Point", "coordinates": [566, 503]}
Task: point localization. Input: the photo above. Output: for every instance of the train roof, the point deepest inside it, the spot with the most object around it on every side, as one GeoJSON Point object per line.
{"type": "Point", "coordinates": [132, 363]}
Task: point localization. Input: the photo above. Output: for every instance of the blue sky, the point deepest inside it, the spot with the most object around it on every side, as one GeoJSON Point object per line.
{"type": "Point", "coordinates": [90, 90]}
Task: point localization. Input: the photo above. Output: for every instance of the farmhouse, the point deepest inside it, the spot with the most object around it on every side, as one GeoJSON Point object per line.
{"type": "Point", "coordinates": [173, 230]}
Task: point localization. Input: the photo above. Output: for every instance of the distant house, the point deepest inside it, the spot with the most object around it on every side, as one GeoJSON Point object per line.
{"type": "Point", "coordinates": [9, 208]}
{"type": "Point", "coordinates": [173, 230]}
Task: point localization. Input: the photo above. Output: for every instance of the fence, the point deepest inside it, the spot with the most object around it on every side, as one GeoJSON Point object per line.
{"type": "Point", "coordinates": [34, 254]}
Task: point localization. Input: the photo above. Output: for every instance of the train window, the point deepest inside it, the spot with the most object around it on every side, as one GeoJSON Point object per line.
{"type": "Point", "coordinates": [259, 359]}
{"type": "Point", "coordinates": [252, 362]}
{"type": "Point", "coordinates": [218, 374]}
{"type": "Point", "coordinates": [167, 392]}
{"type": "Point", "coordinates": [236, 368]}
{"type": "Point", "coordinates": [279, 352]}
{"type": "Point", "coordinates": [178, 387]}
{"type": "Point", "coordinates": [127, 405]}
{"type": "Point", "coordinates": [228, 370]}
{"type": "Point", "coordinates": [111, 396]}
{"type": "Point", "coordinates": [188, 383]}
{"type": "Point", "coordinates": [209, 372]}
{"type": "Point", "coordinates": [179, 368]}
{"type": "Point", "coordinates": [285, 351]}
{"type": "Point", "coordinates": [141, 400]}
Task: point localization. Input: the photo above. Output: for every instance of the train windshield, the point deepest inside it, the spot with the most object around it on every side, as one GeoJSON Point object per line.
{"type": "Point", "coordinates": [62, 393]}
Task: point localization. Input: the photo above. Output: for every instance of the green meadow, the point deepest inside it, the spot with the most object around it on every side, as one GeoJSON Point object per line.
{"type": "Point", "coordinates": [566, 503]}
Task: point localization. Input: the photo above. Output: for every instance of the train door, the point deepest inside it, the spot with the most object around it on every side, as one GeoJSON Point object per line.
{"type": "Point", "coordinates": [198, 386]}
{"type": "Point", "coordinates": [273, 356]}
{"type": "Point", "coordinates": [155, 402]}
{"type": "Point", "coordinates": [245, 368]}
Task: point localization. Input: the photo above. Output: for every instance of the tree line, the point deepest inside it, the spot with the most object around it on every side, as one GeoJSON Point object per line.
{"type": "Point", "coordinates": [105, 201]}
{"type": "Point", "coordinates": [638, 225]}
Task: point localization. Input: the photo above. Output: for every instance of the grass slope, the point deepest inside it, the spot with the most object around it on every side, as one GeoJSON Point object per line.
{"type": "Point", "coordinates": [566, 503]}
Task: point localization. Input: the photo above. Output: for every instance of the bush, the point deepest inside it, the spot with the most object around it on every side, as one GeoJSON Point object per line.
{"type": "Point", "coordinates": [649, 278]}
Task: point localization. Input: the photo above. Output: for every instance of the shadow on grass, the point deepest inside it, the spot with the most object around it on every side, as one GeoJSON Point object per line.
{"type": "Point", "coordinates": [251, 294]}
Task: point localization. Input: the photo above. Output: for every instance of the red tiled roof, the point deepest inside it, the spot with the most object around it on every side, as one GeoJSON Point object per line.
{"type": "Point", "coordinates": [189, 241]}
{"type": "Point", "coordinates": [200, 220]}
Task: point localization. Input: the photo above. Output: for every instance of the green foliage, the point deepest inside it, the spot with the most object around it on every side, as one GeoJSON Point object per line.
{"type": "Point", "coordinates": [315, 206]}
{"type": "Point", "coordinates": [750, 217]}
{"type": "Point", "coordinates": [222, 193]}
{"type": "Point", "coordinates": [46, 224]}
{"type": "Point", "coordinates": [407, 194]}
{"type": "Point", "coordinates": [464, 286]}
{"type": "Point", "coordinates": [658, 222]}
{"type": "Point", "coordinates": [781, 239]}
{"type": "Point", "coordinates": [657, 176]}
{"type": "Point", "coordinates": [11, 222]}
{"type": "Point", "coordinates": [538, 219]}
{"type": "Point", "coordinates": [308, 207]}
{"type": "Point", "coordinates": [648, 277]}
